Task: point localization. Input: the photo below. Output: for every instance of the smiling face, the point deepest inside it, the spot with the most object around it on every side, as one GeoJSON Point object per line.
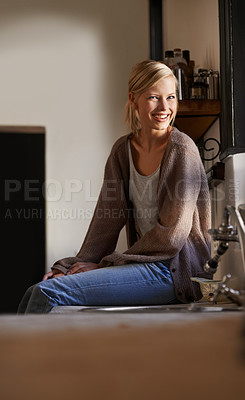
{"type": "Point", "coordinates": [157, 106]}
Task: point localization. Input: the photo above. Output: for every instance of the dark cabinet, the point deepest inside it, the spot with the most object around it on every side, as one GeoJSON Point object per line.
{"type": "Point", "coordinates": [232, 66]}
{"type": "Point", "coordinates": [22, 212]}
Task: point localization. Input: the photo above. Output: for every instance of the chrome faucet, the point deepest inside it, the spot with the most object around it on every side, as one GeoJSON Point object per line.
{"type": "Point", "coordinates": [226, 233]}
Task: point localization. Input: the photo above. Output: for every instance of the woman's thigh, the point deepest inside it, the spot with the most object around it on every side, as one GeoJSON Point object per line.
{"type": "Point", "coordinates": [133, 284]}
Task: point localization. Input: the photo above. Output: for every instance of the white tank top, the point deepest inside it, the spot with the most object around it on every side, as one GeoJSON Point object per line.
{"type": "Point", "coordinates": [143, 194]}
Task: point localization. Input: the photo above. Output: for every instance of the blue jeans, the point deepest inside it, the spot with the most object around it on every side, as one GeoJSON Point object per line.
{"type": "Point", "coordinates": [132, 284]}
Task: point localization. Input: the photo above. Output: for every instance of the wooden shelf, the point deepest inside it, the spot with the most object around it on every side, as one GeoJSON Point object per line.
{"type": "Point", "coordinates": [195, 117]}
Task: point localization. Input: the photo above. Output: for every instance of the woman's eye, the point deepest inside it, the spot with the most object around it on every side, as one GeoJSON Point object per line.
{"type": "Point", "coordinates": [171, 97]}
{"type": "Point", "coordinates": [153, 97]}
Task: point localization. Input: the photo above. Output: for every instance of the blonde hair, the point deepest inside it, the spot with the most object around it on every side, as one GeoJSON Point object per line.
{"type": "Point", "coordinates": [143, 76]}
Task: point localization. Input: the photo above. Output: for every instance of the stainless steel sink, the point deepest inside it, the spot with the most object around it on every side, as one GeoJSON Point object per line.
{"type": "Point", "coordinates": [172, 308]}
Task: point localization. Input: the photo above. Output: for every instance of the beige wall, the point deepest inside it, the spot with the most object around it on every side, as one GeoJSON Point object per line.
{"type": "Point", "coordinates": [193, 25]}
{"type": "Point", "coordinates": [65, 65]}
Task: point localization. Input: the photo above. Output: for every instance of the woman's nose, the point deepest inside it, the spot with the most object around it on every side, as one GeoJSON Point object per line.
{"type": "Point", "coordinates": [162, 104]}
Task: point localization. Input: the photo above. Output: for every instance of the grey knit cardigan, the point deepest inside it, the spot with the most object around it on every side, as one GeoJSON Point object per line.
{"type": "Point", "coordinates": [181, 232]}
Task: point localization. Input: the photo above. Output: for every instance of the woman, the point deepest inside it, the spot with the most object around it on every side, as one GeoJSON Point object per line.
{"type": "Point", "coordinates": [155, 184]}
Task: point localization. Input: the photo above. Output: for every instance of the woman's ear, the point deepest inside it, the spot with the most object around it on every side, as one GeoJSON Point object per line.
{"type": "Point", "coordinates": [131, 99]}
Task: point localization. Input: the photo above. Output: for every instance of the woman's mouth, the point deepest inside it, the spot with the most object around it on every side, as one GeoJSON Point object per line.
{"type": "Point", "coordinates": [161, 117]}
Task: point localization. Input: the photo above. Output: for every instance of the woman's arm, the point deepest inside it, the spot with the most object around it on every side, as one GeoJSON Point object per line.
{"type": "Point", "coordinates": [109, 217]}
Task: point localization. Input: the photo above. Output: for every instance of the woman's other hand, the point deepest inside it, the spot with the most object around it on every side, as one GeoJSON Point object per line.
{"type": "Point", "coordinates": [81, 267]}
{"type": "Point", "coordinates": [55, 273]}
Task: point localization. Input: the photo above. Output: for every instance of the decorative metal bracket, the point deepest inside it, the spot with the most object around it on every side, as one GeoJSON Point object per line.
{"type": "Point", "coordinates": [204, 148]}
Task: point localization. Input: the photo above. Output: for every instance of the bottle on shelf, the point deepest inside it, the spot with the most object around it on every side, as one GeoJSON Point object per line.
{"type": "Point", "coordinates": [199, 87]}
{"type": "Point", "coordinates": [186, 56]}
{"type": "Point", "coordinates": [178, 58]}
{"type": "Point", "coordinates": [211, 79]}
{"type": "Point", "coordinates": [169, 58]}
{"type": "Point", "coordinates": [180, 67]}
{"type": "Point", "coordinates": [189, 72]}
{"type": "Point", "coordinates": [213, 93]}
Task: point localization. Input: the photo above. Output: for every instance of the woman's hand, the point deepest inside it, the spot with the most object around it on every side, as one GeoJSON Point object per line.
{"type": "Point", "coordinates": [55, 273]}
{"type": "Point", "coordinates": [81, 267]}
{"type": "Point", "coordinates": [74, 269]}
